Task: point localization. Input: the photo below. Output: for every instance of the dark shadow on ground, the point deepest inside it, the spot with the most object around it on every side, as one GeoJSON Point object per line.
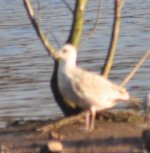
{"type": "Point", "coordinates": [111, 141]}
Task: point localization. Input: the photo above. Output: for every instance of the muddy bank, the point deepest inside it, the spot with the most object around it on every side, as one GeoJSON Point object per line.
{"type": "Point", "coordinates": [114, 132]}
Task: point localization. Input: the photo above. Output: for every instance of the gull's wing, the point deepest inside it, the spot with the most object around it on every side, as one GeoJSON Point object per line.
{"type": "Point", "coordinates": [94, 87]}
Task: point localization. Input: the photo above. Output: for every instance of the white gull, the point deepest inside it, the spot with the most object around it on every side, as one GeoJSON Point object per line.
{"type": "Point", "coordinates": [87, 90]}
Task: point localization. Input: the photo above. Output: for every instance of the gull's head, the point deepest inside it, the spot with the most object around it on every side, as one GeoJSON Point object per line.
{"type": "Point", "coordinates": [68, 52]}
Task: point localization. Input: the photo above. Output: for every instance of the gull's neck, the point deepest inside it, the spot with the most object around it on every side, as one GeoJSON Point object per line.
{"type": "Point", "coordinates": [68, 64]}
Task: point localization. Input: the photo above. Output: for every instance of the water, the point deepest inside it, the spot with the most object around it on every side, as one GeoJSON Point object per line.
{"type": "Point", "coordinates": [26, 68]}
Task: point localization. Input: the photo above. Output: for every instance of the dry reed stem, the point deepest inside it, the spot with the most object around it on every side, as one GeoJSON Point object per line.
{"type": "Point", "coordinates": [138, 65]}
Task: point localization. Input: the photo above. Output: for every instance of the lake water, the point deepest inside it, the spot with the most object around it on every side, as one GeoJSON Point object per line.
{"type": "Point", "coordinates": [26, 68]}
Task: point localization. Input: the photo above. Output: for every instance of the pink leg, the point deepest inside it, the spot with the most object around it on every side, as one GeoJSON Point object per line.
{"type": "Point", "coordinates": [93, 115]}
{"type": "Point", "coordinates": [87, 120]}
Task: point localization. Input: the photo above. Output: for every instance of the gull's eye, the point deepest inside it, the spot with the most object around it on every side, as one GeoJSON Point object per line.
{"type": "Point", "coordinates": [64, 50]}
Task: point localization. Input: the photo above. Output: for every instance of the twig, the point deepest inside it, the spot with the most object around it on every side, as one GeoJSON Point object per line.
{"type": "Point", "coordinates": [62, 122]}
{"type": "Point", "coordinates": [135, 68]}
{"type": "Point", "coordinates": [40, 34]}
{"type": "Point", "coordinates": [96, 20]}
{"type": "Point", "coordinates": [91, 32]}
{"type": "Point", "coordinates": [40, 25]}
{"type": "Point", "coordinates": [114, 39]}
{"type": "Point", "coordinates": [67, 5]}
{"type": "Point", "coordinates": [54, 38]}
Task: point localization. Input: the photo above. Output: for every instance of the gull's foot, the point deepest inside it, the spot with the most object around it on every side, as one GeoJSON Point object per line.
{"type": "Point", "coordinates": [87, 129]}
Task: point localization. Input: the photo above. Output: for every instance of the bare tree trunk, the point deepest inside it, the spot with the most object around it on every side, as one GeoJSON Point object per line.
{"type": "Point", "coordinates": [77, 23]}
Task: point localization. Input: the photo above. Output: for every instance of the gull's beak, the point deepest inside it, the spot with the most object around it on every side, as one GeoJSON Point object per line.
{"type": "Point", "coordinates": [58, 55]}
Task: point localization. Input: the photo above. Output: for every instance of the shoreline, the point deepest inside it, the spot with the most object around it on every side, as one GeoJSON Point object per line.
{"type": "Point", "coordinates": [115, 132]}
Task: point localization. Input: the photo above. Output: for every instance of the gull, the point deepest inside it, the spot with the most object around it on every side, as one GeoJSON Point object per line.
{"type": "Point", "coordinates": [87, 90]}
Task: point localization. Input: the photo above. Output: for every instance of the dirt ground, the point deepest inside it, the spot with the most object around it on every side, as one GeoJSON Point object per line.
{"type": "Point", "coordinates": [111, 135]}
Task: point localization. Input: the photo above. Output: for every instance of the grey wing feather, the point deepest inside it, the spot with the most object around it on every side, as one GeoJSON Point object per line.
{"type": "Point", "coordinates": [93, 86]}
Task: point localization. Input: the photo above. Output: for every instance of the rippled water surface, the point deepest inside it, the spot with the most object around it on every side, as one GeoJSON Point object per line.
{"type": "Point", "coordinates": [26, 68]}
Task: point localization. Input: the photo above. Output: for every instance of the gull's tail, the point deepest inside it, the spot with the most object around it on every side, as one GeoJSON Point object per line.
{"type": "Point", "coordinates": [123, 94]}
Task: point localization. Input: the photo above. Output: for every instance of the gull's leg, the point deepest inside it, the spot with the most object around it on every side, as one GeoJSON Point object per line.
{"type": "Point", "coordinates": [87, 121]}
{"type": "Point", "coordinates": [93, 115]}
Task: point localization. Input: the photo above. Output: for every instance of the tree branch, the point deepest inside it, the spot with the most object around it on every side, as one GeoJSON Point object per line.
{"type": "Point", "coordinates": [50, 49]}
{"type": "Point", "coordinates": [114, 39]}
